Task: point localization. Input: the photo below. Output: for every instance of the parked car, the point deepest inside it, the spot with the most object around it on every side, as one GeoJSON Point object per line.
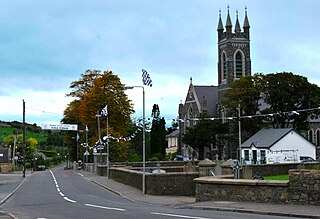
{"type": "Point", "coordinates": [307, 159]}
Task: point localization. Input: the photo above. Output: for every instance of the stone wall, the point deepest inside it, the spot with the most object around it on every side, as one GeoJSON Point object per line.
{"type": "Point", "coordinates": [248, 171]}
{"type": "Point", "coordinates": [126, 176]}
{"type": "Point", "coordinates": [179, 184]}
{"type": "Point", "coordinates": [157, 184]}
{"type": "Point", "coordinates": [214, 189]}
{"type": "Point", "coordinates": [304, 187]}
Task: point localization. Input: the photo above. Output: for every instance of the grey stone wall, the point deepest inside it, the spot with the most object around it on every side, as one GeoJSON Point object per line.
{"type": "Point", "coordinates": [249, 171]}
{"type": "Point", "coordinates": [213, 189]}
{"type": "Point", "coordinates": [178, 184]}
{"type": "Point", "coordinates": [304, 187]}
{"type": "Point", "coordinates": [157, 184]}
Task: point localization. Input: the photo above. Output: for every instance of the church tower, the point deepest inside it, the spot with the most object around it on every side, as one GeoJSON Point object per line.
{"type": "Point", "coordinates": [233, 52]}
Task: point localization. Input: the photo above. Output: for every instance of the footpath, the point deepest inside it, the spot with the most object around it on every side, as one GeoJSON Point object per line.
{"type": "Point", "coordinates": [131, 193]}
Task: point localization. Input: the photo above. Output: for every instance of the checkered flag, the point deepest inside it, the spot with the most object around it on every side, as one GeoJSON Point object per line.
{"type": "Point", "coordinates": [104, 111]}
{"type": "Point", "coordinates": [146, 78]}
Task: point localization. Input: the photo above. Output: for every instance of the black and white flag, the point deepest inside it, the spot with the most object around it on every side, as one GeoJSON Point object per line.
{"type": "Point", "coordinates": [146, 78]}
{"type": "Point", "coordinates": [104, 111]}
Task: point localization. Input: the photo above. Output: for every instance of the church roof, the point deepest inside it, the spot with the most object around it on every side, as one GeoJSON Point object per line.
{"type": "Point", "coordinates": [208, 94]}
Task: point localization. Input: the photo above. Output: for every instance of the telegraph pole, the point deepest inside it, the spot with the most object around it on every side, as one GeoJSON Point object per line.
{"type": "Point", "coordinates": [24, 138]}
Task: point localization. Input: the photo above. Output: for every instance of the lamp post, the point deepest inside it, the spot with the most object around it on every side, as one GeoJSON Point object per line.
{"type": "Point", "coordinates": [239, 124]}
{"type": "Point", "coordinates": [87, 130]}
{"type": "Point", "coordinates": [143, 138]}
{"type": "Point", "coordinates": [99, 135]}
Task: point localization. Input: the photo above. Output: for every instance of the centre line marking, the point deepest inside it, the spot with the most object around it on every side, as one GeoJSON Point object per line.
{"type": "Point", "coordinates": [69, 200]}
{"type": "Point", "coordinates": [104, 207]}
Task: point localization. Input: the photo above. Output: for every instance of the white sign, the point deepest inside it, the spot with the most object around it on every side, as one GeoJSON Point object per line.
{"type": "Point", "coordinates": [64, 127]}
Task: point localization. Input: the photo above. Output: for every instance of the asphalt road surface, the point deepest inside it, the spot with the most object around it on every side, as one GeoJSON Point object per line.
{"type": "Point", "coordinates": [65, 194]}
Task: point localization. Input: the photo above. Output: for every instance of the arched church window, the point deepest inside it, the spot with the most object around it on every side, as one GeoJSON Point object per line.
{"type": "Point", "coordinates": [310, 135]}
{"type": "Point", "coordinates": [224, 66]}
{"type": "Point", "coordinates": [318, 137]}
{"type": "Point", "coordinates": [190, 116]}
{"type": "Point", "coordinates": [239, 64]}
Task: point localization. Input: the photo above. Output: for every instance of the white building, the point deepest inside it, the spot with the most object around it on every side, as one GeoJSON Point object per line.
{"type": "Point", "coordinates": [266, 141]}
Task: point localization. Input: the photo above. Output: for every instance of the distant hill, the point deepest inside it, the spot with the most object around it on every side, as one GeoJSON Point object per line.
{"type": "Point", "coordinates": [32, 130]}
{"type": "Point", "coordinates": [19, 125]}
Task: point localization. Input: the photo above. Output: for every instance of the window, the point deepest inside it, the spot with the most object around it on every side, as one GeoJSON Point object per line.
{"type": "Point", "coordinates": [318, 137]}
{"type": "Point", "coordinates": [246, 155]}
{"type": "Point", "coordinates": [262, 156]}
{"type": "Point", "coordinates": [224, 66]}
{"type": "Point", "coordinates": [239, 64]}
{"type": "Point", "coordinates": [310, 135]}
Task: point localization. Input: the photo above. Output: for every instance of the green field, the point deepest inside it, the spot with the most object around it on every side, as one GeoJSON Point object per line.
{"type": "Point", "coordinates": [5, 131]}
{"type": "Point", "coordinates": [277, 177]}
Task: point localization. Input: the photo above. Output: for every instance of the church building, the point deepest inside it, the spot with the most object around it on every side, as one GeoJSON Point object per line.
{"type": "Point", "coordinates": [234, 62]}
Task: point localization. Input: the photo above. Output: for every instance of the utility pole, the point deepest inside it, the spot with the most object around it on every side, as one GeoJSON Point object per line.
{"type": "Point", "coordinates": [24, 138]}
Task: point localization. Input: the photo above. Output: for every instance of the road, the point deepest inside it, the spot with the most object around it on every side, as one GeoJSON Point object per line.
{"type": "Point", "coordinates": [65, 194]}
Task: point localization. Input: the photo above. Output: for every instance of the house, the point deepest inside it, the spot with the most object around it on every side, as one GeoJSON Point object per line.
{"type": "Point", "coordinates": [267, 141]}
{"type": "Point", "coordinates": [172, 139]}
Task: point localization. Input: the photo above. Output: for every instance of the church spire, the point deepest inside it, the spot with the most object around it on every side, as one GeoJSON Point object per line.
{"type": "Point", "coordinates": [246, 20]}
{"type": "Point", "coordinates": [246, 25]}
{"type": "Point", "coordinates": [237, 28]}
{"type": "Point", "coordinates": [220, 25]}
{"type": "Point", "coordinates": [228, 22]}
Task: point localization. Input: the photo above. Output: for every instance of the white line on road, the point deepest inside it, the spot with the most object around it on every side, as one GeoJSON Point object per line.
{"type": "Point", "coordinates": [69, 200]}
{"type": "Point", "coordinates": [104, 207]}
{"type": "Point", "coordinates": [58, 189]}
{"type": "Point", "coordinates": [180, 216]}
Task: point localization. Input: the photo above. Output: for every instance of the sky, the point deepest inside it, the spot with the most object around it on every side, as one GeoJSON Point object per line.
{"type": "Point", "coordinates": [45, 45]}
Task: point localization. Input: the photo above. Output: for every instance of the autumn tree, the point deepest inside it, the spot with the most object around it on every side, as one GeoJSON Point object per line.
{"type": "Point", "coordinates": [92, 92]}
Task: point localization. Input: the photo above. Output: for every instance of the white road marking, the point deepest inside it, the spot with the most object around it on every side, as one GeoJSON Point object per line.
{"type": "Point", "coordinates": [104, 207]}
{"type": "Point", "coordinates": [177, 215]}
{"type": "Point", "coordinates": [58, 189]}
{"type": "Point", "coordinates": [69, 200]}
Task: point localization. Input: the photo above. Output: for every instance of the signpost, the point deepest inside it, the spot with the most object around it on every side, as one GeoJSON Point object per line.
{"type": "Point", "coordinates": [63, 127]}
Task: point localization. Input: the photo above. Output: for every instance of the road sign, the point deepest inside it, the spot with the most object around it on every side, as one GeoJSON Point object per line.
{"type": "Point", "coordinates": [63, 127]}
{"type": "Point", "coordinates": [86, 153]}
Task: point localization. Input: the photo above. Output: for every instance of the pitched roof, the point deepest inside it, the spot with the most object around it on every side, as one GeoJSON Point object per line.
{"type": "Point", "coordinates": [266, 138]}
{"type": "Point", "coordinates": [175, 133]}
{"type": "Point", "coordinates": [210, 95]}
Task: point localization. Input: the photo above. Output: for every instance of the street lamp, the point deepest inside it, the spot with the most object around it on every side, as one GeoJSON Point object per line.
{"type": "Point", "coordinates": [143, 138]}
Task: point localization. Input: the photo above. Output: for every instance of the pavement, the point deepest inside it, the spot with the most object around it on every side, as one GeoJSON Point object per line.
{"type": "Point", "coordinates": [131, 193]}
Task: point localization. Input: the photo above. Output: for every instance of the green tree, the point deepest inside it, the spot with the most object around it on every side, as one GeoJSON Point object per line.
{"type": "Point", "coordinates": [158, 134]}
{"type": "Point", "coordinates": [284, 93]}
{"type": "Point", "coordinates": [205, 133]}
{"type": "Point", "coordinates": [244, 93]}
